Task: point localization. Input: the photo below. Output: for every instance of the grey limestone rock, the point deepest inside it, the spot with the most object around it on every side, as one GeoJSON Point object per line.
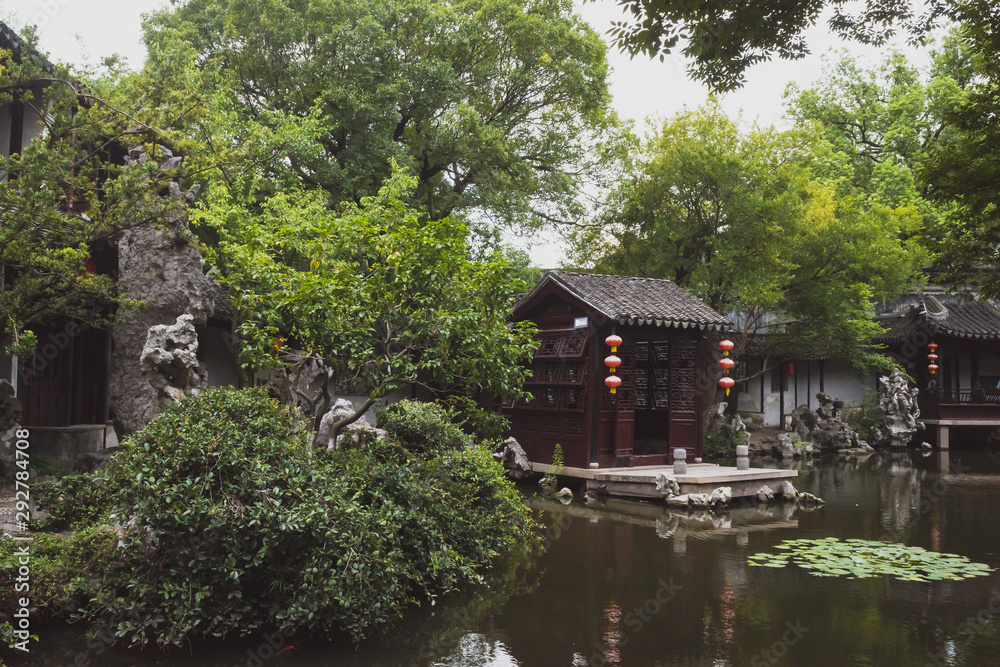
{"type": "Point", "coordinates": [765, 494]}
{"type": "Point", "coordinates": [699, 499]}
{"type": "Point", "coordinates": [678, 501]}
{"type": "Point", "coordinates": [667, 485]}
{"type": "Point", "coordinates": [356, 434]}
{"type": "Point", "coordinates": [159, 267]}
{"type": "Point", "coordinates": [787, 491]}
{"type": "Point", "coordinates": [897, 400]}
{"type": "Point", "coordinates": [564, 495]}
{"type": "Point", "coordinates": [514, 457]}
{"type": "Point", "coordinates": [169, 361]}
{"type": "Point", "coordinates": [785, 448]}
{"type": "Point", "coordinates": [721, 496]}
{"type": "Point", "coordinates": [810, 499]}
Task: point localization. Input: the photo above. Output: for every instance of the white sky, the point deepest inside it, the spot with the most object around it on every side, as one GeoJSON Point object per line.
{"type": "Point", "coordinates": [84, 31]}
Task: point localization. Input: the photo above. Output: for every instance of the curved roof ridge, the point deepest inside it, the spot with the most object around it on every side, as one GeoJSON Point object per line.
{"type": "Point", "coordinates": [934, 308]}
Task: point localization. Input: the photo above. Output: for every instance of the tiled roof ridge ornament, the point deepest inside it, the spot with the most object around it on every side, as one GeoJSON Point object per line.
{"type": "Point", "coordinates": [934, 308]}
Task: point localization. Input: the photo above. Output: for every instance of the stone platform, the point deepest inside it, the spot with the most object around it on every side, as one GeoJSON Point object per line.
{"type": "Point", "coordinates": [640, 481]}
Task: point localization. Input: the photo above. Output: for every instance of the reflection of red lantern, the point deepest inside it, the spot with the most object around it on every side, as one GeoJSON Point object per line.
{"type": "Point", "coordinates": [727, 383]}
{"type": "Point", "coordinates": [725, 346]}
{"type": "Point", "coordinates": [932, 368]}
{"type": "Point", "coordinates": [789, 370]}
{"type": "Point", "coordinates": [613, 382]}
{"type": "Point", "coordinates": [726, 364]}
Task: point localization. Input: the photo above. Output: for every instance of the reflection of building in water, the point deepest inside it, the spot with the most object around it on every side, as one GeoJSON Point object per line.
{"type": "Point", "coordinates": [900, 494]}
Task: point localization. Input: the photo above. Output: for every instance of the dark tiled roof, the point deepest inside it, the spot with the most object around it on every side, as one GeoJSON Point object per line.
{"type": "Point", "coordinates": [968, 319]}
{"type": "Point", "coordinates": [9, 40]}
{"type": "Point", "coordinates": [636, 300]}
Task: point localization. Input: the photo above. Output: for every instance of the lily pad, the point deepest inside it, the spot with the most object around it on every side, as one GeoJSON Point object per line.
{"type": "Point", "coordinates": [862, 559]}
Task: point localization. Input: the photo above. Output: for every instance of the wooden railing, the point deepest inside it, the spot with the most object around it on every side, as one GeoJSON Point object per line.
{"type": "Point", "coordinates": [959, 404]}
{"type": "Point", "coordinates": [963, 396]}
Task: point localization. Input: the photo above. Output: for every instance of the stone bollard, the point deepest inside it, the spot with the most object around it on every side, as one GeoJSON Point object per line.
{"type": "Point", "coordinates": [742, 457]}
{"type": "Point", "coordinates": [680, 462]}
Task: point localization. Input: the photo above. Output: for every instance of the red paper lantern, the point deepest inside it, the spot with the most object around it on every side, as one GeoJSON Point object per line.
{"type": "Point", "coordinates": [613, 340]}
{"type": "Point", "coordinates": [613, 381]}
{"type": "Point", "coordinates": [932, 357]}
{"type": "Point", "coordinates": [932, 368]}
{"type": "Point", "coordinates": [790, 370]}
{"type": "Point", "coordinates": [727, 383]}
{"type": "Point", "coordinates": [726, 364]}
{"type": "Point", "coordinates": [933, 346]}
{"type": "Point", "coordinates": [612, 362]}
{"type": "Point", "coordinates": [725, 346]}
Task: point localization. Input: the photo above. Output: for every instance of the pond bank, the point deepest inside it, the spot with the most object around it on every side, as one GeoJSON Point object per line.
{"type": "Point", "coordinates": [621, 585]}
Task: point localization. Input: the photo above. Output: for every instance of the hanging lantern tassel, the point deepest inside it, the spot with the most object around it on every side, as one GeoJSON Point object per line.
{"type": "Point", "coordinates": [727, 383]}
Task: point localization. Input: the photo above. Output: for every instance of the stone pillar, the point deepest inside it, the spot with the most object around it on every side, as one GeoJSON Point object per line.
{"type": "Point", "coordinates": [742, 457]}
{"type": "Point", "coordinates": [943, 437]}
{"type": "Point", "coordinates": [680, 461]}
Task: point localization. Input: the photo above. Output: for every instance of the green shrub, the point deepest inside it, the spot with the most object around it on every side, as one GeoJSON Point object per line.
{"type": "Point", "coordinates": [46, 465]}
{"type": "Point", "coordinates": [423, 427]}
{"type": "Point", "coordinates": [865, 417]}
{"type": "Point", "coordinates": [234, 527]}
{"type": "Point", "coordinates": [73, 501]}
{"type": "Point", "coordinates": [722, 441]}
{"type": "Point", "coordinates": [61, 568]}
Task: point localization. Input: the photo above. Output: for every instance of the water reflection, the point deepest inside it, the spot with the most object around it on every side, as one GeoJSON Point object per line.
{"type": "Point", "coordinates": [627, 583]}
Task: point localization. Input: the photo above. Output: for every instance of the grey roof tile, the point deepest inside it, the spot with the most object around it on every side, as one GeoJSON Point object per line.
{"type": "Point", "coordinates": [629, 300]}
{"type": "Point", "coordinates": [959, 318]}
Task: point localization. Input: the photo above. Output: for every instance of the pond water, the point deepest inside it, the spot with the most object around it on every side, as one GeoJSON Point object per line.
{"type": "Point", "coordinates": [628, 584]}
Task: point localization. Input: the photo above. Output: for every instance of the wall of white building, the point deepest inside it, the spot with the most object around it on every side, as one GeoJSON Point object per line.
{"type": "Point", "coordinates": [764, 395]}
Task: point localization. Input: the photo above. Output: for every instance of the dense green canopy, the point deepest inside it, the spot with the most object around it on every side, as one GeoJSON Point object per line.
{"type": "Point", "coordinates": [740, 219]}
{"type": "Point", "coordinates": [724, 38]}
{"type": "Point", "coordinates": [965, 173]}
{"type": "Point", "coordinates": [497, 106]}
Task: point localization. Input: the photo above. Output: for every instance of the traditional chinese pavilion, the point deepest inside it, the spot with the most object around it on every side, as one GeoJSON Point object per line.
{"type": "Point", "coordinates": [664, 352]}
{"type": "Point", "coordinates": [959, 334]}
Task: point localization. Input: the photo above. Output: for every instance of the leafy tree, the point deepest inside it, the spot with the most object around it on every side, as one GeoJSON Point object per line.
{"type": "Point", "coordinates": [723, 38]}
{"type": "Point", "coordinates": [62, 197]}
{"type": "Point", "coordinates": [965, 173]}
{"type": "Point", "coordinates": [738, 219]}
{"type": "Point", "coordinates": [880, 124]}
{"type": "Point", "coordinates": [497, 106]}
{"type": "Point", "coordinates": [371, 295]}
